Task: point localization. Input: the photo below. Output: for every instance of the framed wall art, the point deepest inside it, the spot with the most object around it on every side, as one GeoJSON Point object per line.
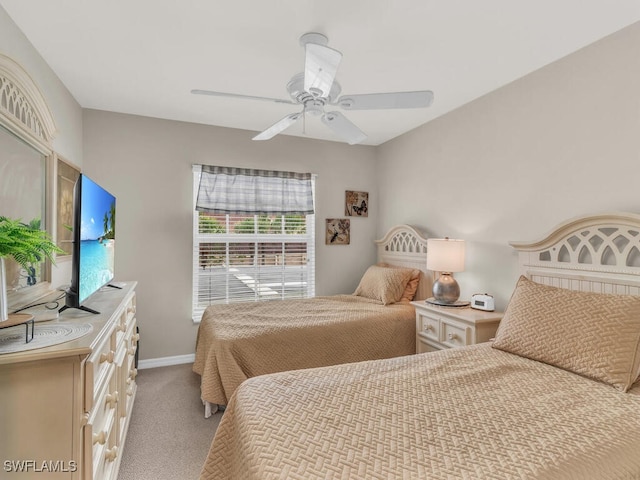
{"type": "Point", "coordinates": [67, 175]}
{"type": "Point", "coordinates": [356, 204]}
{"type": "Point", "coordinates": [338, 231]}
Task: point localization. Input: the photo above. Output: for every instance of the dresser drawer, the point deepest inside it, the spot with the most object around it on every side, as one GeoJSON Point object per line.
{"type": "Point", "coordinates": [429, 326]}
{"type": "Point", "coordinates": [97, 367]}
{"type": "Point", "coordinates": [99, 440]}
{"type": "Point", "coordinates": [105, 404]}
{"type": "Point", "coordinates": [130, 371]}
{"type": "Point", "coordinates": [126, 319]}
{"type": "Point", "coordinates": [131, 339]}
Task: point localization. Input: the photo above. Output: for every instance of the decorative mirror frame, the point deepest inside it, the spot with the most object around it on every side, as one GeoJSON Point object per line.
{"type": "Point", "coordinates": [23, 109]}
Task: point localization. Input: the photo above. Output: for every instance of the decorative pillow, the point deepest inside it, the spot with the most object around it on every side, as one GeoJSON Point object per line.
{"type": "Point", "coordinates": [383, 284]}
{"type": "Point", "coordinates": [596, 335]}
{"type": "Point", "coordinates": [412, 286]}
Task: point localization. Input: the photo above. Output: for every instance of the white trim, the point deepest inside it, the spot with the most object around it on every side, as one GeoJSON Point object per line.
{"type": "Point", "coordinates": [166, 361]}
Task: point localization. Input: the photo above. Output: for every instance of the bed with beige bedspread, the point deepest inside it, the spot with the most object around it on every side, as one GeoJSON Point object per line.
{"type": "Point", "coordinates": [474, 413]}
{"type": "Point", "coordinates": [240, 341]}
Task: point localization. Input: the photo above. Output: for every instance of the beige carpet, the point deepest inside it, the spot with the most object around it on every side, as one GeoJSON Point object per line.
{"type": "Point", "coordinates": [168, 437]}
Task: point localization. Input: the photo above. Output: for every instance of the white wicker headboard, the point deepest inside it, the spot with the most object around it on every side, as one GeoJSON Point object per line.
{"type": "Point", "coordinates": [404, 246]}
{"type": "Point", "coordinates": [597, 253]}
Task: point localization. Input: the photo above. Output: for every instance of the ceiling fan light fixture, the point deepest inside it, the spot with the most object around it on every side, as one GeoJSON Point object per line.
{"type": "Point", "coordinates": [314, 108]}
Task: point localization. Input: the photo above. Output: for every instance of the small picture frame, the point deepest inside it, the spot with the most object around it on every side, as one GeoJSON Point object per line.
{"type": "Point", "coordinates": [356, 204]}
{"type": "Point", "coordinates": [338, 231]}
{"type": "Point", "coordinates": [66, 176]}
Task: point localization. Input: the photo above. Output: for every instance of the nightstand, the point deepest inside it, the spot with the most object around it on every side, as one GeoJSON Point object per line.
{"type": "Point", "coordinates": [447, 327]}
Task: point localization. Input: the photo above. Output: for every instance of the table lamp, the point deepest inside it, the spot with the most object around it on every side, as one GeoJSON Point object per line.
{"type": "Point", "coordinates": [446, 256]}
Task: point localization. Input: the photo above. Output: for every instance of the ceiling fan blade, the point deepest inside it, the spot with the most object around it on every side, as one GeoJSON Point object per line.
{"type": "Point", "coordinates": [278, 127]}
{"type": "Point", "coordinates": [246, 97]}
{"type": "Point", "coordinates": [343, 127]}
{"type": "Point", "coordinates": [379, 101]}
{"type": "Point", "coordinates": [320, 68]}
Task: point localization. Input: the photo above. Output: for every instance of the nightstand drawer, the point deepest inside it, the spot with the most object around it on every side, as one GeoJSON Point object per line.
{"type": "Point", "coordinates": [429, 326]}
{"type": "Point", "coordinates": [454, 335]}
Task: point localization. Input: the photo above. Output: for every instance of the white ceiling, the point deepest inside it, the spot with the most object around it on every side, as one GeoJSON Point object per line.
{"type": "Point", "coordinates": [144, 57]}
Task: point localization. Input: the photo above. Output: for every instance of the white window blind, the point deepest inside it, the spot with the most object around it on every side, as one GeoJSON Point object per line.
{"type": "Point", "coordinates": [250, 257]}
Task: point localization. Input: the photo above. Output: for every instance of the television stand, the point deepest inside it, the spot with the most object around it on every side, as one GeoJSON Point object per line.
{"type": "Point", "coordinates": [80, 307]}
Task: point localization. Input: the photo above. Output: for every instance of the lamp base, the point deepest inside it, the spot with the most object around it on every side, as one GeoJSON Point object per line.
{"type": "Point", "coordinates": [457, 303]}
{"type": "Point", "coordinates": [446, 289]}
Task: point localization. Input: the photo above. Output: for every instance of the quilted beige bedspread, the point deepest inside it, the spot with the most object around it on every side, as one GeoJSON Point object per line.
{"type": "Point", "coordinates": [240, 341]}
{"type": "Point", "coordinates": [467, 413]}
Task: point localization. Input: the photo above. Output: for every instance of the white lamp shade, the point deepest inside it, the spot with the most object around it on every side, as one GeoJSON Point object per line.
{"type": "Point", "coordinates": [445, 255]}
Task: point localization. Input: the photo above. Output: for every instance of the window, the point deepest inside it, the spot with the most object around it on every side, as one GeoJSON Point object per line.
{"type": "Point", "coordinates": [241, 257]}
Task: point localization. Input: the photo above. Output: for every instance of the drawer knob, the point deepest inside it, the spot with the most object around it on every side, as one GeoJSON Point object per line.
{"type": "Point", "coordinates": [130, 391]}
{"type": "Point", "coordinates": [135, 337]}
{"type": "Point", "coordinates": [121, 327]}
{"type": "Point", "coordinates": [107, 357]}
{"type": "Point", "coordinates": [112, 399]}
{"type": "Point", "coordinates": [428, 327]}
{"type": "Point", "coordinates": [132, 350]}
{"type": "Point", "coordinates": [131, 310]}
{"type": "Point", "coordinates": [111, 454]}
{"type": "Point", "coordinates": [133, 373]}
{"type": "Point", "coordinates": [100, 437]}
{"type": "Point", "coordinates": [452, 336]}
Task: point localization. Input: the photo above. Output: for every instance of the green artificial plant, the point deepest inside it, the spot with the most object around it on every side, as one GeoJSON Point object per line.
{"type": "Point", "coordinates": [25, 243]}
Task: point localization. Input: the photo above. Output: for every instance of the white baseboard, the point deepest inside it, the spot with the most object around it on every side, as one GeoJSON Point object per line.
{"type": "Point", "coordinates": [166, 361]}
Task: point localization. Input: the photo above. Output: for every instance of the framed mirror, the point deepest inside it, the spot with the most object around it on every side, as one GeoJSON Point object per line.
{"type": "Point", "coordinates": [26, 132]}
{"type": "Point", "coordinates": [22, 196]}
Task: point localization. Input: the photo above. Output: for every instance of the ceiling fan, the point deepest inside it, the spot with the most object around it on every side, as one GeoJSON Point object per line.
{"type": "Point", "coordinates": [316, 88]}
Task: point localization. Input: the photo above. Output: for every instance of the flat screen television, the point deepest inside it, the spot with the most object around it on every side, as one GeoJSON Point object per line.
{"type": "Point", "coordinates": [94, 222]}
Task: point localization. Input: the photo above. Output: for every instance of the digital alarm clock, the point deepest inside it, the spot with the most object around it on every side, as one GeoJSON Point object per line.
{"type": "Point", "coordinates": [483, 301]}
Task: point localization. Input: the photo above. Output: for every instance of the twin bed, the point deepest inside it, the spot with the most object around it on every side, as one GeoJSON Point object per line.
{"type": "Point", "coordinates": [240, 341]}
{"type": "Point", "coordinates": [556, 395]}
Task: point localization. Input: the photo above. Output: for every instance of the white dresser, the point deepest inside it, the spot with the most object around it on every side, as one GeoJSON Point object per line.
{"type": "Point", "coordinates": [65, 409]}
